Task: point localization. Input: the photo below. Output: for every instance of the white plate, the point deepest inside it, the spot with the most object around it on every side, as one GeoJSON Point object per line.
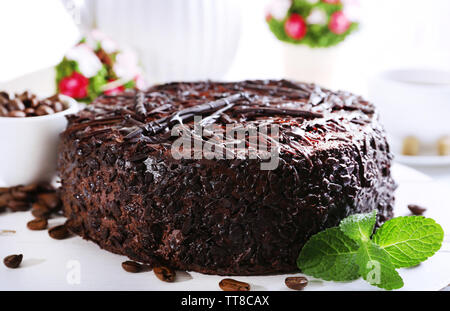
{"type": "Point", "coordinates": [423, 160]}
{"type": "Point", "coordinates": [52, 265]}
{"type": "Point", "coordinates": [428, 156]}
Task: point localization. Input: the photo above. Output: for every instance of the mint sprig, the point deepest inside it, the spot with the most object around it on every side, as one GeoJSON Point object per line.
{"type": "Point", "coordinates": [348, 252]}
{"type": "Point", "coordinates": [409, 240]}
{"type": "Point", "coordinates": [330, 255]}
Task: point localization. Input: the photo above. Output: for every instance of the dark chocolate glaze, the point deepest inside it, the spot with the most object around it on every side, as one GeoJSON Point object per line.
{"type": "Point", "coordinates": [122, 189]}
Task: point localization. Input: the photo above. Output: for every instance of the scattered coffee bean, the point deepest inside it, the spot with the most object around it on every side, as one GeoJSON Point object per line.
{"type": "Point", "coordinates": [37, 224]}
{"type": "Point", "coordinates": [18, 206]}
{"type": "Point", "coordinates": [164, 273]}
{"type": "Point", "coordinates": [135, 267]}
{"type": "Point", "coordinates": [233, 285]}
{"type": "Point", "coordinates": [22, 198]}
{"type": "Point", "coordinates": [5, 198]}
{"type": "Point", "coordinates": [59, 232]}
{"type": "Point", "coordinates": [297, 282]}
{"type": "Point", "coordinates": [39, 210]}
{"type": "Point", "coordinates": [28, 105]}
{"type": "Point", "coordinates": [29, 188]}
{"type": "Point", "coordinates": [17, 194]}
{"type": "Point", "coordinates": [416, 209]}
{"type": "Point", "coordinates": [51, 200]}
{"type": "Point", "coordinates": [13, 261]}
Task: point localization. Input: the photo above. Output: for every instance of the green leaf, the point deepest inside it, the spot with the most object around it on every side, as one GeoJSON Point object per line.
{"type": "Point", "coordinates": [409, 240]}
{"type": "Point", "coordinates": [359, 227]}
{"type": "Point", "coordinates": [376, 268]}
{"type": "Point", "coordinates": [329, 255]}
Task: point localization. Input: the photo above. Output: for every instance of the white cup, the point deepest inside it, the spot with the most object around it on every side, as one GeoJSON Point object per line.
{"type": "Point", "coordinates": [28, 146]}
{"type": "Point", "coordinates": [413, 102]}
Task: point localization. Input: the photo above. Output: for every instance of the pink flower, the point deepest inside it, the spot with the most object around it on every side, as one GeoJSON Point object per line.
{"type": "Point", "coordinates": [74, 85]}
{"type": "Point", "coordinates": [295, 27]}
{"type": "Point", "coordinates": [339, 23]}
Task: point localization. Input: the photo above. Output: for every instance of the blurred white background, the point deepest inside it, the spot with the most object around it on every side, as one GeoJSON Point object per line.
{"type": "Point", "coordinates": [392, 34]}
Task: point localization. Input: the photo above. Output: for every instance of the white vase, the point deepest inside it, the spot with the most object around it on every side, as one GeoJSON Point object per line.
{"type": "Point", "coordinates": [317, 65]}
{"type": "Point", "coordinates": [175, 39]}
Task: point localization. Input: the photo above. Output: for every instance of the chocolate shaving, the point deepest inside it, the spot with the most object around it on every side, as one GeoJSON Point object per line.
{"type": "Point", "coordinates": [140, 103]}
{"type": "Point", "coordinates": [278, 89]}
{"type": "Point", "coordinates": [94, 122]}
{"type": "Point", "coordinates": [183, 115]}
{"type": "Point", "coordinates": [93, 133]}
{"type": "Point", "coordinates": [267, 111]}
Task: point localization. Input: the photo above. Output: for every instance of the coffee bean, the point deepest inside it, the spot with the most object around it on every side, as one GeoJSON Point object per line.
{"type": "Point", "coordinates": [43, 110]}
{"type": "Point", "coordinates": [416, 209]}
{"type": "Point", "coordinates": [17, 194]}
{"type": "Point", "coordinates": [24, 96]}
{"type": "Point", "coordinates": [39, 210]}
{"type": "Point", "coordinates": [17, 114]}
{"type": "Point", "coordinates": [29, 188]}
{"type": "Point", "coordinates": [297, 283]}
{"type": "Point", "coordinates": [34, 103]}
{"type": "Point", "coordinates": [164, 273]}
{"type": "Point", "coordinates": [13, 261]}
{"type": "Point", "coordinates": [5, 198]}
{"type": "Point", "coordinates": [16, 104]}
{"type": "Point", "coordinates": [18, 206]}
{"type": "Point", "coordinates": [233, 285]}
{"type": "Point", "coordinates": [30, 111]}
{"type": "Point", "coordinates": [50, 200]}
{"type": "Point", "coordinates": [37, 224]}
{"type": "Point", "coordinates": [3, 111]}
{"type": "Point", "coordinates": [135, 267]}
{"type": "Point", "coordinates": [4, 95]}
{"type": "Point", "coordinates": [59, 232]}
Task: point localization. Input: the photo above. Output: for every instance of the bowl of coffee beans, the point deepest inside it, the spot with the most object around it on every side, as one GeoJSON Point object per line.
{"type": "Point", "coordinates": [29, 134]}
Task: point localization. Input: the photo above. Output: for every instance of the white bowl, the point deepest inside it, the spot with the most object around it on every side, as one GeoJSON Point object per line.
{"type": "Point", "coordinates": [413, 102]}
{"type": "Point", "coordinates": [28, 146]}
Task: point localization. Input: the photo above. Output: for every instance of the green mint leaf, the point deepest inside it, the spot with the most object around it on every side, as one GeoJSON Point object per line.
{"type": "Point", "coordinates": [330, 255]}
{"type": "Point", "coordinates": [376, 267]}
{"type": "Point", "coordinates": [409, 240]}
{"type": "Point", "coordinates": [359, 227]}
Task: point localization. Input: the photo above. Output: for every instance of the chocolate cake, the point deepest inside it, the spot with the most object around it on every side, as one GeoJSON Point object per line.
{"type": "Point", "coordinates": [123, 188]}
